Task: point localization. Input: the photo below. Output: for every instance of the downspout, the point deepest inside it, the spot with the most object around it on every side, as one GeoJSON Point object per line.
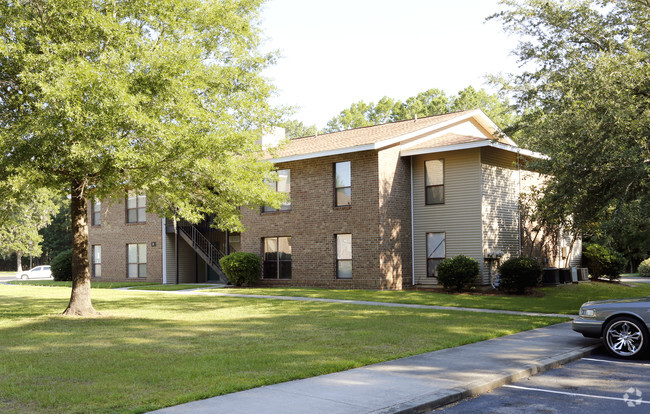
{"type": "Point", "coordinates": [164, 250]}
{"type": "Point", "coordinates": [518, 198]}
{"type": "Point", "coordinates": [176, 248]}
{"type": "Point", "coordinates": [412, 230]}
{"type": "Point", "coordinates": [483, 238]}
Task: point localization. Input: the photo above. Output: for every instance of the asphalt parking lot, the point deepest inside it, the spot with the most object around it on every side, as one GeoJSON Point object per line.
{"type": "Point", "coordinates": [596, 384]}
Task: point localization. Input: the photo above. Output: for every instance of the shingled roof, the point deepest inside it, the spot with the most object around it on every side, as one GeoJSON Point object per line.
{"type": "Point", "coordinates": [379, 136]}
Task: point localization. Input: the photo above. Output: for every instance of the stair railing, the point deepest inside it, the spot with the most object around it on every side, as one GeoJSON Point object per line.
{"type": "Point", "coordinates": [200, 242]}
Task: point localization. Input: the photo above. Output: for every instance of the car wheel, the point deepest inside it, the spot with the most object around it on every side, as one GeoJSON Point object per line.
{"type": "Point", "coordinates": [24, 277]}
{"type": "Point", "coordinates": [625, 337]}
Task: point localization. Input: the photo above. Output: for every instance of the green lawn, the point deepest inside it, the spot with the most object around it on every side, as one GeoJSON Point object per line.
{"type": "Point", "coordinates": [174, 287]}
{"type": "Point", "coordinates": [565, 299]}
{"type": "Point", "coordinates": [111, 285]}
{"type": "Point", "coordinates": [151, 350]}
{"type": "Point", "coordinates": [94, 285]}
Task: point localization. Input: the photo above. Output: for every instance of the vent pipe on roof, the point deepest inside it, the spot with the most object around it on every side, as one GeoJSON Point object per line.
{"type": "Point", "coordinates": [416, 117]}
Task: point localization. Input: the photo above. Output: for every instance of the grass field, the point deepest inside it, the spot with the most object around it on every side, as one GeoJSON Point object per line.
{"type": "Point", "coordinates": [111, 285]}
{"type": "Point", "coordinates": [174, 287]}
{"type": "Point", "coordinates": [150, 350]}
{"type": "Point", "coordinates": [94, 285]}
{"type": "Point", "coordinates": [565, 299]}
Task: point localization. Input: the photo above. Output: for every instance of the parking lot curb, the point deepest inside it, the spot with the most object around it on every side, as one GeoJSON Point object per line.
{"type": "Point", "coordinates": [435, 400]}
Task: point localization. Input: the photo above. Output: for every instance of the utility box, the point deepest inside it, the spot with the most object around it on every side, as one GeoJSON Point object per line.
{"type": "Point", "coordinates": [551, 276]}
{"type": "Point", "coordinates": [574, 274]}
{"type": "Point", "coordinates": [565, 275]}
{"type": "Point", "coordinates": [583, 274]}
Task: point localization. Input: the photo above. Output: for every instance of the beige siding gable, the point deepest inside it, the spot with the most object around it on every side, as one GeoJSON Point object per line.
{"type": "Point", "coordinates": [459, 217]}
{"type": "Point", "coordinates": [500, 181]}
{"type": "Point", "coordinates": [460, 133]}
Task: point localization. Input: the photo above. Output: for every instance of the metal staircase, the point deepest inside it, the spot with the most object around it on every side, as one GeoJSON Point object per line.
{"type": "Point", "coordinates": [202, 246]}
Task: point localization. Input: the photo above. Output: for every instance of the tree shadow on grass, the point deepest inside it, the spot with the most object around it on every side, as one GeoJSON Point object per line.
{"type": "Point", "coordinates": [150, 351]}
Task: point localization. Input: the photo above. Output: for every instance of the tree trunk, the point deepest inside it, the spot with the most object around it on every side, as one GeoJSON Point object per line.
{"type": "Point", "coordinates": [80, 304]}
{"type": "Point", "coordinates": [19, 261]}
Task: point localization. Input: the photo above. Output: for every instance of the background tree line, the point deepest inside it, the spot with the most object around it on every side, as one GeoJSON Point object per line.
{"type": "Point", "coordinates": [427, 103]}
{"type": "Point", "coordinates": [97, 99]}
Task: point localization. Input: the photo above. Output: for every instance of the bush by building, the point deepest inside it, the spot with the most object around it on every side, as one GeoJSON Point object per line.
{"type": "Point", "coordinates": [457, 272]}
{"type": "Point", "coordinates": [603, 261]}
{"type": "Point", "coordinates": [241, 267]}
{"type": "Point", "coordinates": [519, 274]}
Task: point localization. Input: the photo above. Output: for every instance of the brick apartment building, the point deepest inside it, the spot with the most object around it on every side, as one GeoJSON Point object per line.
{"type": "Point", "coordinates": [376, 207]}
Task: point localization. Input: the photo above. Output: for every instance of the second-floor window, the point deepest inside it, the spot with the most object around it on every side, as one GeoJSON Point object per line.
{"type": "Point", "coordinates": [136, 208]}
{"type": "Point", "coordinates": [97, 213]}
{"type": "Point", "coordinates": [343, 183]}
{"type": "Point", "coordinates": [283, 185]}
{"type": "Point", "coordinates": [434, 181]}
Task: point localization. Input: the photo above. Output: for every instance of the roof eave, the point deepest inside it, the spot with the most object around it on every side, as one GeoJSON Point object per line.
{"type": "Point", "coordinates": [381, 144]}
{"type": "Point", "coordinates": [476, 144]}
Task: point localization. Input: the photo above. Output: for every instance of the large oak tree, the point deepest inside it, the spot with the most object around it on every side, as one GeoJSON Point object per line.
{"type": "Point", "coordinates": [584, 93]}
{"type": "Point", "coordinates": [98, 97]}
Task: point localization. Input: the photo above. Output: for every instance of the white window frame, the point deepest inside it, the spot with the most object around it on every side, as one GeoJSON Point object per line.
{"type": "Point", "coordinates": [282, 185]}
{"type": "Point", "coordinates": [437, 253]}
{"type": "Point", "coordinates": [438, 182]}
{"type": "Point", "coordinates": [136, 203]}
{"type": "Point", "coordinates": [136, 269]}
{"type": "Point", "coordinates": [344, 256]}
{"type": "Point", "coordinates": [97, 260]}
{"type": "Point", "coordinates": [342, 186]}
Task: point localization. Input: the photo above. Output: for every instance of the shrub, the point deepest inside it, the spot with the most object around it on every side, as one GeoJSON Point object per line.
{"type": "Point", "coordinates": [519, 273]}
{"type": "Point", "coordinates": [241, 267]}
{"type": "Point", "coordinates": [457, 272]}
{"type": "Point", "coordinates": [61, 266]}
{"type": "Point", "coordinates": [603, 261]}
{"type": "Point", "coordinates": [644, 268]}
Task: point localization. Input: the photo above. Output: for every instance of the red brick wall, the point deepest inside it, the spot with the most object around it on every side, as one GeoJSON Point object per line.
{"type": "Point", "coordinates": [114, 234]}
{"type": "Point", "coordinates": [395, 215]}
{"type": "Point", "coordinates": [313, 222]}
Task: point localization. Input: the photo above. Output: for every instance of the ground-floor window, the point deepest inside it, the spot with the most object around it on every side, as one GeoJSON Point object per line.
{"type": "Point", "coordinates": [97, 260]}
{"type": "Point", "coordinates": [137, 260]}
{"type": "Point", "coordinates": [435, 252]}
{"type": "Point", "coordinates": [277, 258]}
{"type": "Point", "coordinates": [344, 256]}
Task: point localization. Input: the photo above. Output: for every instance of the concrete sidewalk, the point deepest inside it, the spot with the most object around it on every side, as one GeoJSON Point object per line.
{"type": "Point", "coordinates": [354, 302]}
{"type": "Point", "coordinates": [415, 384]}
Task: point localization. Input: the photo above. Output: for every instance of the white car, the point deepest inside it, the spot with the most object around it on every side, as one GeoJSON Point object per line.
{"type": "Point", "coordinates": [39, 272]}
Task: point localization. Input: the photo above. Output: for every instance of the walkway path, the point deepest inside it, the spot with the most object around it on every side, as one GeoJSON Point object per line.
{"type": "Point", "coordinates": [635, 280]}
{"type": "Point", "coordinates": [359, 302]}
{"type": "Point", "coordinates": [413, 384]}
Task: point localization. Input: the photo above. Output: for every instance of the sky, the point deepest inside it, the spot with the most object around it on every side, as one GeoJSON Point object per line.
{"type": "Point", "coordinates": [337, 52]}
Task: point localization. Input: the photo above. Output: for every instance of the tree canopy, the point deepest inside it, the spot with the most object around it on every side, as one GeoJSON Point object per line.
{"type": "Point", "coordinates": [584, 97]}
{"type": "Point", "coordinates": [427, 103]}
{"type": "Point", "coordinates": [297, 129]}
{"type": "Point", "coordinates": [162, 97]}
{"type": "Point", "coordinates": [25, 210]}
